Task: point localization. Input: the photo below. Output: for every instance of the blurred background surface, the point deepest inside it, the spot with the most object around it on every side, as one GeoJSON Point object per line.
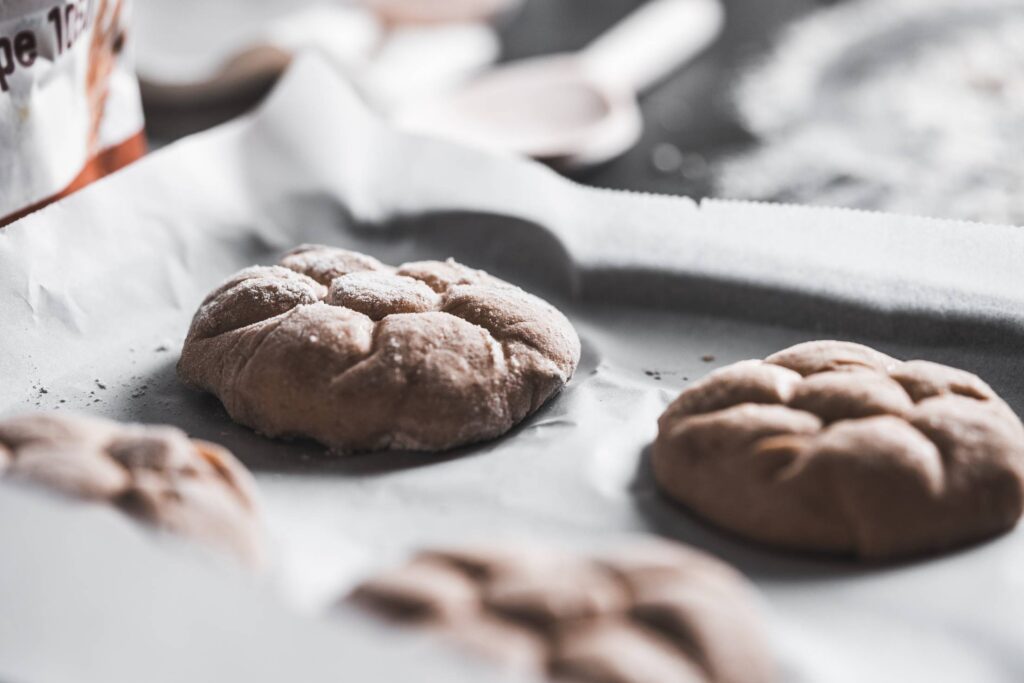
{"type": "Point", "coordinates": [912, 106]}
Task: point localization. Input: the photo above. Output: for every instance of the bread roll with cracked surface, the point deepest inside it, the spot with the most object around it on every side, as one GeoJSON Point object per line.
{"type": "Point", "coordinates": [335, 346]}
{"type": "Point", "coordinates": [835, 447]}
{"type": "Point", "coordinates": [158, 475]}
{"type": "Point", "coordinates": [640, 613]}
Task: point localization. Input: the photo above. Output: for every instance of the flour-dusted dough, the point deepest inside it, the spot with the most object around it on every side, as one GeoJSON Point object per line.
{"type": "Point", "coordinates": [835, 447]}
{"type": "Point", "coordinates": [336, 346]}
{"type": "Point", "coordinates": [640, 613]}
{"type": "Point", "coordinates": [155, 474]}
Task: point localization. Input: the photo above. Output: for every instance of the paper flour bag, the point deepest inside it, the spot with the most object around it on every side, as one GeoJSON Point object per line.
{"type": "Point", "coordinates": [69, 102]}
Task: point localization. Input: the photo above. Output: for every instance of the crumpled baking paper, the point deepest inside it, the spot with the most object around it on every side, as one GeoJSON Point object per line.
{"type": "Point", "coordinates": [96, 294]}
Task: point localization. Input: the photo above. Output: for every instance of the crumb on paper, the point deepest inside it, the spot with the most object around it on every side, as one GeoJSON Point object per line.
{"type": "Point", "coordinates": [708, 358]}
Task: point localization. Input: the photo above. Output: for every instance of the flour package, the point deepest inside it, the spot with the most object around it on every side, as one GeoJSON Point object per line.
{"type": "Point", "coordinates": [69, 102]}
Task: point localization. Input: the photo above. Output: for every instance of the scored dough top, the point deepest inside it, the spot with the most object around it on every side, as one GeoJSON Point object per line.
{"type": "Point", "coordinates": [837, 447]}
{"type": "Point", "coordinates": [336, 346]}
{"type": "Point", "coordinates": [647, 611]}
{"type": "Point", "coordinates": [155, 474]}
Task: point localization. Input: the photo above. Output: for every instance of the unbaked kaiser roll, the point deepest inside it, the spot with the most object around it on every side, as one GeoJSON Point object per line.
{"type": "Point", "coordinates": [335, 346]}
{"type": "Point", "coordinates": [155, 474]}
{"type": "Point", "coordinates": [643, 613]}
{"type": "Point", "coordinates": [832, 446]}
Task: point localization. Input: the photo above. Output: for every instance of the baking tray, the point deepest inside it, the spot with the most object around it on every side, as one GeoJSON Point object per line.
{"type": "Point", "coordinates": [96, 293]}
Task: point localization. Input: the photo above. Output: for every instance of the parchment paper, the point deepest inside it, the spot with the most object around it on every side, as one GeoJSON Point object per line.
{"type": "Point", "coordinates": [96, 294]}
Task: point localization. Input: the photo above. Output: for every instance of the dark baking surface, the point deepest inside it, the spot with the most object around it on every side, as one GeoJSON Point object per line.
{"type": "Point", "coordinates": [690, 109]}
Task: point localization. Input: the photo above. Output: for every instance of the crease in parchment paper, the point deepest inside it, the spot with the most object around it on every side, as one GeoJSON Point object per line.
{"type": "Point", "coordinates": [662, 290]}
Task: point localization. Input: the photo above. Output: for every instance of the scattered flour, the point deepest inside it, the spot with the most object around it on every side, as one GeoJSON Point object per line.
{"type": "Point", "coordinates": [910, 106]}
